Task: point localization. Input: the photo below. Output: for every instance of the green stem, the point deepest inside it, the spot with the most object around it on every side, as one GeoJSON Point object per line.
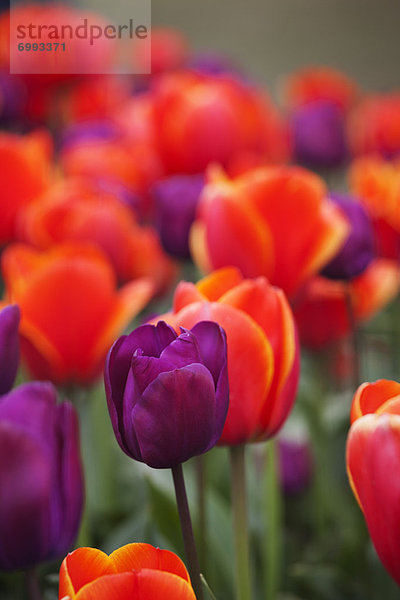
{"type": "Point", "coordinates": [201, 501]}
{"type": "Point", "coordinates": [273, 510]}
{"type": "Point", "coordinates": [32, 585]}
{"type": "Point", "coordinates": [239, 506]}
{"type": "Point", "coordinates": [187, 531]}
{"type": "Point", "coordinates": [355, 342]}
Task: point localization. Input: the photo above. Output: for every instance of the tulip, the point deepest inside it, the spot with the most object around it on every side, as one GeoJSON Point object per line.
{"type": "Point", "coordinates": [41, 478]}
{"type": "Point", "coordinates": [176, 202]}
{"type": "Point", "coordinates": [376, 182]}
{"type": "Point", "coordinates": [263, 354]}
{"type": "Point", "coordinates": [80, 212]}
{"type": "Point", "coordinates": [318, 131]}
{"type": "Point", "coordinates": [358, 251]}
{"type": "Point", "coordinates": [25, 173]}
{"type": "Point", "coordinates": [133, 571]}
{"type": "Point", "coordinates": [374, 126]}
{"type": "Point", "coordinates": [70, 308]}
{"type": "Point", "coordinates": [322, 309]}
{"type": "Point", "coordinates": [275, 222]}
{"type": "Point", "coordinates": [167, 395]}
{"type": "Point", "coordinates": [295, 463]}
{"type": "Point", "coordinates": [9, 347]}
{"type": "Point", "coordinates": [373, 466]}
{"type": "Point", "coordinates": [320, 83]}
{"type": "Point", "coordinates": [201, 119]}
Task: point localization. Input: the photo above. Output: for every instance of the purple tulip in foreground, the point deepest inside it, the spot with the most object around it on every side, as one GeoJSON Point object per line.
{"type": "Point", "coordinates": [358, 250]}
{"type": "Point", "coordinates": [167, 394]}
{"type": "Point", "coordinates": [9, 347]}
{"type": "Point", "coordinates": [41, 480]}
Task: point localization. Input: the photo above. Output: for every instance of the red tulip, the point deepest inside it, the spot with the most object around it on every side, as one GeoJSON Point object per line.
{"type": "Point", "coordinates": [374, 126]}
{"type": "Point", "coordinates": [24, 173]}
{"type": "Point", "coordinates": [133, 571]}
{"type": "Point", "coordinates": [71, 311]}
{"type": "Point", "coordinates": [322, 311]}
{"type": "Point", "coordinates": [263, 354]}
{"type": "Point", "coordinates": [272, 221]}
{"type": "Point", "coordinates": [201, 119]}
{"type": "Point", "coordinates": [320, 83]}
{"type": "Point", "coordinates": [373, 465]}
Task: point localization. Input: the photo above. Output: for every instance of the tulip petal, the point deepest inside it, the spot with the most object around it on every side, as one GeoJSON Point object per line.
{"type": "Point", "coordinates": [70, 485]}
{"type": "Point", "coordinates": [235, 234]}
{"type": "Point", "coordinates": [164, 410]}
{"type": "Point", "coordinates": [373, 397]}
{"type": "Point", "coordinates": [119, 586]}
{"type": "Point", "coordinates": [213, 349]}
{"type": "Point", "coordinates": [80, 568]}
{"type": "Point", "coordinates": [26, 481]}
{"type": "Point", "coordinates": [185, 294]}
{"type": "Point", "coordinates": [144, 556]}
{"type": "Point", "coordinates": [373, 455]}
{"type": "Point", "coordinates": [9, 347]}
{"type": "Point", "coordinates": [153, 584]}
{"type": "Point", "coordinates": [182, 351]}
{"type": "Point", "coordinates": [217, 283]}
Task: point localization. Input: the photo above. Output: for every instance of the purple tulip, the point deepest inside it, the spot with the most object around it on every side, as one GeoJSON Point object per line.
{"type": "Point", "coordinates": [319, 134]}
{"type": "Point", "coordinates": [358, 250]}
{"type": "Point", "coordinates": [41, 480]}
{"type": "Point", "coordinates": [167, 394]}
{"type": "Point", "coordinates": [9, 347]}
{"type": "Point", "coordinates": [295, 463]}
{"type": "Point", "coordinates": [176, 200]}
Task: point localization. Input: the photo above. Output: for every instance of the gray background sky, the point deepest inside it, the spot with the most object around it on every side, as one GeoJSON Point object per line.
{"type": "Point", "coordinates": [271, 37]}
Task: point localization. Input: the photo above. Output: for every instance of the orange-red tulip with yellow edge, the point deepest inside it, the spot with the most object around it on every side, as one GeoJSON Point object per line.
{"type": "Point", "coordinates": [373, 466]}
{"type": "Point", "coordinates": [71, 310]}
{"type": "Point", "coordinates": [263, 353]}
{"type": "Point", "coordinates": [24, 173]}
{"type": "Point", "coordinates": [76, 211]}
{"type": "Point", "coordinates": [376, 182]}
{"type": "Point", "coordinates": [321, 310]}
{"type": "Point", "coordinates": [272, 221]}
{"type": "Point", "coordinates": [133, 571]}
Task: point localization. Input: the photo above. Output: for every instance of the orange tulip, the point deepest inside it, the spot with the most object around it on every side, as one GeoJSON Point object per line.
{"type": "Point", "coordinates": [24, 173]}
{"type": "Point", "coordinates": [71, 311]}
{"type": "Point", "coordinates": [320, 83]}
{"type": "Point", "coordinates": [76, 211]}
{"type": "Point", "coordinates": [272, 221]}
{"type": "Point", "coordinates": [263, 354]}
{"type": "Point", "coordinates": [133, 571]}
{"type": "Point", "coordinates": [373, 466]}
{"type": "Point", "coordinates": [322, 311]}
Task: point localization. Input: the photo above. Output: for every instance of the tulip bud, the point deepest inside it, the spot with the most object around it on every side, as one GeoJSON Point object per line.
{"type": "Point", "coordinates": [358, 250]}
{"type": "Point", "coordinates": [176, 201]}
{"type": "Point", "coordinates": [9, 347]}
{"type": "Point", "coordinates": [318, 134]}
{"type": "Point", "coordinates": [133, 571]}
{"type": "Point", "coordinates": [41, 480]}
{"type": "Point", "coordinates": [373, 466]}
{"type": "Point", "coordinates": [167, 394]}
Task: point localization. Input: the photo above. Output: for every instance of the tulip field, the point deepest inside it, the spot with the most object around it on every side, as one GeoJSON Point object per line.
{"type": "Point", "coordinates": [199, 321]}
